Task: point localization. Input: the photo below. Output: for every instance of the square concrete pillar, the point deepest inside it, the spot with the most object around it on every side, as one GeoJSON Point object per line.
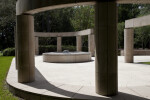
{"type": "Point", "coordinates": [79, 43]}
{"type": "Point", "coordinates": [25, 48]}
{"type": "Point", "coordinates": [36, 45]}
{"type": "Point", "coordinates": [59, 48]}
{"type": "Point", "coordinates": [128, 45]}
{"type": "Point", "coordinates": [106, 47]}
{"type": "Point", "coordinates": [91, 44]}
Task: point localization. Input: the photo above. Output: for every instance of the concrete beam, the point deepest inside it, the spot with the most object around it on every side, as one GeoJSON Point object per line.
{"type": "Point", "coordinates": [36, 6]}
{"type": "Point", "coordinates": [64, 34]}
{"type": "Point", "coordinates": [133, 1]}
{"type": "Point", "coordinates": [138, 22]}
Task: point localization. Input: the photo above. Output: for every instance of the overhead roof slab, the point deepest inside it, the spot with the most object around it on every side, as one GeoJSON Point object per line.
{"type": "Point", "coordinates": [35, 6]}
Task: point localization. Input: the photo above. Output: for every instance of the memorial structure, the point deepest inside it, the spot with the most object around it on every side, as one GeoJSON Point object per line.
{"type": "Point", "coordinates": [105, 39]}
{"type": "Point", "coordinates": [59, 35]}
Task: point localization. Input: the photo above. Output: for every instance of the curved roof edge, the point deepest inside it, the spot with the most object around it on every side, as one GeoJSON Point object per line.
{"type": "Point", "coordinates": [35, 6]}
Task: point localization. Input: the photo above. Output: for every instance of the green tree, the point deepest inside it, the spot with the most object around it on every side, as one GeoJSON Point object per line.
{"type": "Point", "coordinates": [121, 35]}
{"type": "Point", "coordinates": [7, 23]}
{"type": "Point", "coordinates": [142, 37]}
{"type": "Point", "coordinates": [127, 11]}
{"type": "Point", "coordinates": [144, 9]}
{"type": "Point", "coordinates": [58, 20]}
{"type": "Point", "coordinates": [54, 20]}
{"type": "Point", "coordinates": [142, 34]}
{"type": "Point", "coordinates": [83, 17]}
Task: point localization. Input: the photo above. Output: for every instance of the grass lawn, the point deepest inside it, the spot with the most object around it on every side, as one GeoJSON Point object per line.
{"type": "Point", "coordinates": [146, 63]}
{"type": "Point", "coordinates": [4, 67]}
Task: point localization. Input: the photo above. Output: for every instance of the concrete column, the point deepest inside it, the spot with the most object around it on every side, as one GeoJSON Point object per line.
{"type": "Point", "coordinates": [79, 43]}
{"type": "Point", "coordinates": [128, 45]}
{"type": "Point", "coordinates": [91, 44]}
{"type": "Point", "coordinates": [16, 53]}
{"type": "Point", "coordinates": [59, 49]}
{"type": "Point", "coordinates": [36, 45]}
{"type": "Point", "coordinates": [26, 48]}
{"type": "Point", "coordinates": [106, 47]}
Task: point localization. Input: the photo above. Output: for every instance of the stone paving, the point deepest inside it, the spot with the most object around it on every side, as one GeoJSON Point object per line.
{"type": "Point", "coordinates": [77, 80]}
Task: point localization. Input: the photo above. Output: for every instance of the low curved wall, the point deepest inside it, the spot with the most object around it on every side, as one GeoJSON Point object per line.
{"type": "Point", "coordinates": [137, 52]}
{"type": "Point", "coordinates": [71, 57]}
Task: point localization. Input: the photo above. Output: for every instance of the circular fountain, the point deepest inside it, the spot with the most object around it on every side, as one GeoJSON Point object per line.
{"type": "Point", "coordinates": [66, 57]}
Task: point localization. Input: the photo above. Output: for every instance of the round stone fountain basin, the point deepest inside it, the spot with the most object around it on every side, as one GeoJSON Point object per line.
{"type": "Point", "coordinates": [70, 57]}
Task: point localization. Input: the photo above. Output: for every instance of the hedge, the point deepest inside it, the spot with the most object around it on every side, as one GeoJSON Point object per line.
{"type": "Point", "coordinates": [53, 48]}
{"type": "Point", "coordinates": [9, 52]}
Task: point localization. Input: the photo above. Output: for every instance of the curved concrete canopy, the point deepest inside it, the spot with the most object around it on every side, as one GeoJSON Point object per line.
{"type": "Point", "coordinates": [35, 6]}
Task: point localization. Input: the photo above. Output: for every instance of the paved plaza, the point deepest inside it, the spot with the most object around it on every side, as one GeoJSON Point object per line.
{"type": "Point", "coordinates": [130, 74]}
{"type": "Point", "coordinates": [77, 80]}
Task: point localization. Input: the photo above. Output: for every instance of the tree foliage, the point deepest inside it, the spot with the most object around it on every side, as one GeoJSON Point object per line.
{"type": "Point", "coordinates": [121, 35]}
{"type": "Point", "coordinates": [7, 23]}
{"type": "Point", "coordinates": [54, 20]}
{"type": "Point", "coordinates": [71, 19]}
{"type": "Point", "coordinates": [142, 34]}
{"type": "Point", "coordinates": [127, 11]}
{"type": "Point", "coordinates": [83, 17]}
{"type": "Point", "coordinates": [58, 20]}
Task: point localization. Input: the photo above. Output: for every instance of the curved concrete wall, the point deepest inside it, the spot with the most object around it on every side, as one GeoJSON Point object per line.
{"type": "Point", "coordinates": [72, 57]}
{"type": "Point", "coordinates": [137, 52]}
{"type": "Point", "coordinates": [64, 34]}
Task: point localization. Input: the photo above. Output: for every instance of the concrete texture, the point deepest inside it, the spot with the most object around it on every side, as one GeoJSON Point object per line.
{"type": "Point", "coordinates": [145, 52]}
{"type": "Point", "coordinates": [78, 34]}
{"type": "Point", "coordinates": [71, 57]}
{"type": "Point", "coordinates": [36, 45]}
{"type": "Point", "coordinates": [106, 37]}
{"type": "Point", "coordinates": [76, 81]}
{"type": "Point", "coordinates": [91, 44]}
{"type": "Point", "coordinates": [138, 22]}
{"type": "Point", "coordinates": [128, 45]}
{"type": "Point", "coordinates": [59, 42]}
{"type": "Point", "coordinates": [16, 47]}
{"type": "Point", "coordinates": [25, 48]}
{"type": "Point", "coordinates": [64, 34]}
{"type": "Point", "coordinates": [78, 43]}
{"type": "Point", "coordinates": [106, 48]}
{"type": "Point", "coordinates": [36, 6]}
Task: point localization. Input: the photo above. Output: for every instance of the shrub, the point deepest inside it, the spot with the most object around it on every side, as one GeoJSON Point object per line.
{"type": "Point", "coordinates": [84, 48]}
{"type": "Point", "coordinates": [47, 48]}
{"type": "Point", "coordinates": [9, 52]}
{"type": "Point", "coordinates": [69, 47]}
{"type": "Point", "coordinates": [53, 48]}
